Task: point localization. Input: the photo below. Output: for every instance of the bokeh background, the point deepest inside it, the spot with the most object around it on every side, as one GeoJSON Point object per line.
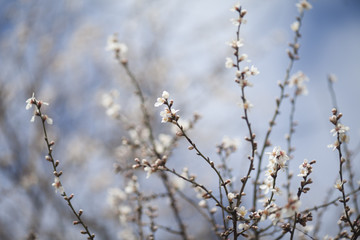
{"type": "Point", "coordinates": [57, 50]}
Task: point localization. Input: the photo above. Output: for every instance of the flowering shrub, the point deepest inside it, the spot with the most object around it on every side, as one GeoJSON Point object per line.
{"type": "Point", "coordinates": [256, 188]}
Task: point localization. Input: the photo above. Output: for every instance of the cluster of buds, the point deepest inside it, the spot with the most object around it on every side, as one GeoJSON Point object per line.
{"type": "Point", "coordinates": [339, 130]}
{"type": "Point", "coordinates": [241, 75]}
{"type": "Point", "coordinates": [168, 114]}
{"type": "Point", "coordinates": [38, 103]}
{"type": "Point", "coordinates": [150, 168]}
{"type": "Point", "coordinates": [305, 170]}
{"type": "Point", "coordinates": [242, 13]}
{"type": "Point", "coordinates": [120, 49]}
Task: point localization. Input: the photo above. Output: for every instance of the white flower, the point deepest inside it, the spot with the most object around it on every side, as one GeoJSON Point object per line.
{"type": "Point", "coordinates": [295, 26]}
{"type": "Point", "coordinates": [244, 226]}
{"type": "Point", "coordinates": [291, 207]}
{"type": "Point", "coordinates": [231, 196]}
{"type": "Point", "coordinates": [247, 105]}
{"type": "Point", "coordinates": [57, 185]}
{"type": "Point", "coordinates": [113, 110]}
{"type": "Point", "coordinates": [246, 71]}
{"type": "Point", "coordinates": [149, 171]}
{"type": "Point", "coordinates": [334, 145]}
{"type": "Point", "coordinates": [114, 45]}
{"type": "Point", "coordinates": [339, 184]}
{"type": "Point", "coordinates": [202, 203]}
{"type": "Point", "coordinates": [276, 190]}
{"type": "Point", "coordinates": [236, 43]}
{"type": "Point", "coordinates": [305, 167]}
{"type": "Point", "coordinates": [235, 8]}
{"type": "Point", "coordinates": [165, 94]}
{"type": "Point", "coordinates": [339, 128]}
{"type": "Point", "coordinates": [267, 186]}
{"type": "Point", "coordinates": [229, 63]}
{"type": "Point", "coordinates": [167, 115]}
{"type": "Point", "coordinates": [243, 57]}
{"type": "Point", "coordinates": [254, 71]}
{"type": "Point", "coordinates": [235, 21]}
{"type": "Point", "coordinates": [30, 102]}
{"type": "Point", "coordinates": [163, 99]}
{"type": "Point", "coordinates": [278, 156]}
{"type": "Point", "coordinates": [107, 99]}
{"type": "Point", "coordinates": [49, 120]}
{"type": "Point", "coordinates": [241, 211]}
{"type": "Point", "coordinates": [303, 5]}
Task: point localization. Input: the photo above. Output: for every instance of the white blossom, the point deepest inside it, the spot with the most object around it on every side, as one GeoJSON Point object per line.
{"type": "Point", "coordinates": [305, 167]}
{"type": "Point", "coordinates": [57, 185]}
{"type": "Point", "coordinates": [229, 63]}
{"type": "Point", "coordinates": [339, 128]}
{"type": "Point", "coordinates": [243, 226]}
{"type": "Point", "coordinates": [231, 196]}
{"type": "Point", "coordinates": [148, 170]}
{"type": "Point", "coordinates": [30, 101]}
{"type": "Point", "coordinates": [247, 105]}
{"type": "Point", "coordinates": [241, 211]}
{"type": "Point", "coordinates": [163, 99]}
{"type": "Point", "coordinates": [334, 145]}
{"type": "Point", "coordinates": [339, 184]}
{"type": "Point", "coordinates": [278, 156]}
{"type": "Point", "coordinates": [236, 43]}
{"type": "Point", "coordinates": [254, 71]}
{"type": "Point", "coordinates": [291, 207]}
{"type": "Point", "coordinates": [49, 120]}
{"type": "Point", "coordinates": [303, 5]}
{"type": "Point", "coordinates": [168, 115]}
{"type": "Point", "coordinates": [243, 57]}
{"type": "Point", "coordinates": [267, 186]}
{"type": "Point", "coordinates": [235, 7]}
{"type": "Point", "coordinates": [202, 203]}
{"type": "Point", "coordinates": [113, 44]}
{"type": "Point", "coordinates": [295, 26]}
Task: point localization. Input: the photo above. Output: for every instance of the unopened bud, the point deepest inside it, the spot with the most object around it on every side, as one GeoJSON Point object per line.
{"type": "Point", "coordinates": [333, 119]}
{"type": "Point", "coordinates": [334, 111]}
{"type": "Point", "coordinates": [243, 13]}
{"type": "Point", "coordinates": [48, 158]}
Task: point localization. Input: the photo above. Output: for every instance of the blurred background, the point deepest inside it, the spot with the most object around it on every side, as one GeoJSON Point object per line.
{"type": "Point", "coordinates": [57, 50]}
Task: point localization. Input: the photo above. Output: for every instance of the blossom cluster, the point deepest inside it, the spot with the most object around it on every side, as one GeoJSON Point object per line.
{"type": "Point", "coordinates": [38, 103]}
{"type": "Point", "coordinates": [120, 49]}
{"type": "Point", "coordinates": [168, 114]}
{"type": "Point", "coordinates": [298, 80]}
{"type": "Point", "coordinates": [277, 161]}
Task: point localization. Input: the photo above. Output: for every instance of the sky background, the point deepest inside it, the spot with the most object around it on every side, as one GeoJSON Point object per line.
{"type": "Point", "coordinates": [57, 50]}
